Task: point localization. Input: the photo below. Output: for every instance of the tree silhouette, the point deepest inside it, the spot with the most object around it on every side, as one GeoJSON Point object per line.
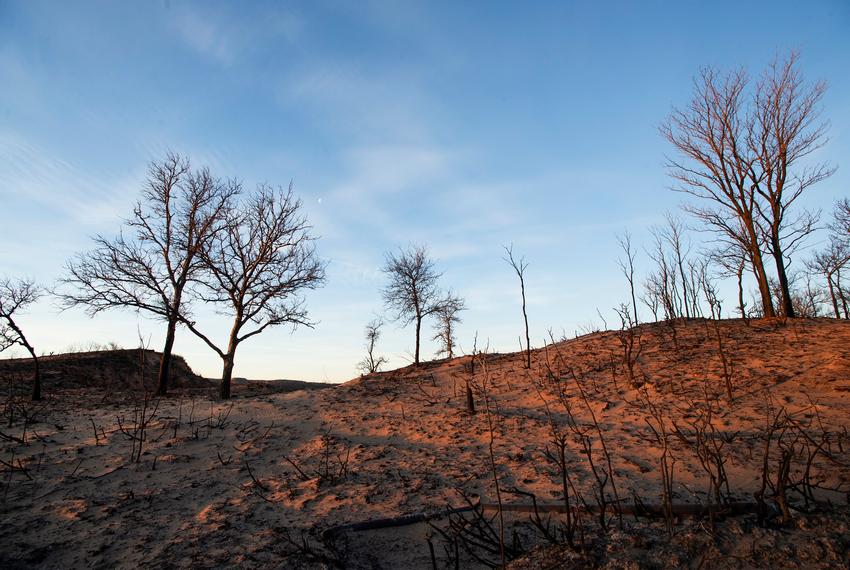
{"type": "Point", "coordinates": [371, 363]}
{"type": "Point", "coordinates": [447, 315]}
{"type": "Point", "coordinates": [519, 266]}
{"type": "Point", "coordinates": [412, 292]}
{"type": "Point", "coordinates": [15, 297]}
{"type": "Point", "coordinates": [149, 269]}
{"type": "Point", "coordinates": [256, 269]}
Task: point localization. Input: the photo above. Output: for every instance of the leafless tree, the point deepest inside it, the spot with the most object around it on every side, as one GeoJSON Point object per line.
{"type": "Point", "coordinates": [833, 259]}
{"type": "Point", "coordinates": [829, 263]}
{"type": "Point", "coordinates": [256, 270]}
{"type": "Point", "coordinates": [711, 135]}
{"type": "Point", "coordinates": [372, 363]}
{"type": "Point", "coordinates": [447, 317]}
{"type": "Point", "coordinates": [741, 152]}
{"type": "Point", "coordinates": [413, 292]}
{"type": "Point", "coordinates": [627, 266]}
{"type": "Point", "coordinates": [840, 228]}
{"type": "Point", "coordinates": [841, 223]}
{"type": "Point", "coordinates": [715, 306]}
{"type": "Point", "coordinates": [785, 131]}
{"type": "Point", "coordinates": [519, 266]}
{"type": "Point", "coordinates": [810, 298]}
{"type": "Point", "coordinates": [674, 234]}
{"type": "Point", "coordinates": [179, 214]}
{"type": "Point", "coordinates": [15, 296]}
{"type": "Point", "coordinates": [663, 287]}
{"type": "Point", "coordinates": [630, 337]}
{"type": "Point", "coordinates": [732, 260]}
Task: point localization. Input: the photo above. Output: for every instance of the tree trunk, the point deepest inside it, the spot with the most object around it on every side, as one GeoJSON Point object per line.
{"type": "Point", "coordinates": [758, 268]}
{"type": "Point", "coordinates": [229, 358]}
{"type": "Point", "coordinates": [784, 287]}
{"type": "Point", "coordinates": [36, 378]}
{"type": "Point", "coordinates": [841, 294]}
{"type": "Point", "coordinates": [684, 286]}
{"type": "Point", "coordinates": [741, 306]}
{"type": "Point", "coordinates": [226, 376]}
{"type": "Point", "coordinates": [763, 285]}
{"type": "Point", "coordinates": [165, 361]}
{"type": "Point", "coordinates": [418, 328]}
{"type": "Point", "coordinates": [525, 318]}
{"type": "Point", "coordinates": [470, 401]}
{"type": "Point", "coordinates": [634, 300]}
{"type": "Point", "coordinates": [833, 297]}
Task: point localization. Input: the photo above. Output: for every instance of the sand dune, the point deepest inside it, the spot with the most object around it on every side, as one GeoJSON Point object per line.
{"type": "Point", "coordinates": [227, 484]}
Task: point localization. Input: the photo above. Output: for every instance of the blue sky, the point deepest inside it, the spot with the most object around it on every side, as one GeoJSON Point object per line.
{"type": "Point", "coordinates": [463, 125]}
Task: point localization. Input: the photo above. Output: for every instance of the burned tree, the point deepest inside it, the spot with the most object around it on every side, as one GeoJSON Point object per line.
{"type": "Point", "coordinates": [711, 136]}
{"type": "Point", "coordinates": [627, 266]}
{"type": "Point", "coordinates": [835, 258]}
{"type": "Point", "coordinates": [256, 269]}
{"type": "Point", "coordinates": [447, 317]}
{"type": "Point", "coordinates": [841, 223]}
{"type": "Point", "coordinates": [15, 297]}
{"type": "Point", "coordinates": [519, 266]}
{"type": "Point", "coordinates": [670, 286]}
{"type": "Point", "coordinates": [371, 363]}
{"type": "Point", "coordinates": [674, 234]}
{"type": "Point", "coordinates": [741, 151]}
{"type": "Point", "coordinates": [412, 293]}
{"type": "Point", "coordinates": [173, 224]}
{"type": "Point", "coordinates": [785, 131]}
{"type": "Point", "coordinates": [732, 260]}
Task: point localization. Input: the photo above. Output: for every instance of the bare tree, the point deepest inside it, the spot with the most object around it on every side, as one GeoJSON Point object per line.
{"type": "Point", "coordinates": [256, 270]}
{"type": "Point", "coordinates": [173, 224]}
{"type": "Point", "coordinates": [412, 293]}
{"type": "Point", "coordinates": [810, 297]}
{"type": "Point", "coordinates": [830, 262]}
{"type": "Point", "coordinates": [662, 288]}
{"type": "Point", "coordinates": [841, 236]}
{"type": "Point", "coordinates": [711, 136]}
{"type": "Point", "coordinates": [15, 296]}
{"type": "Point", "coordinates": [627, 266]}
{"type": "Point", "coordinates": [785, 131]}
{"type": "Point", "coordinates": [674, 234]}
{"type": "Point", "coordinates": [732, 261]}
{"type": "Point", "coordinates": [519, 266]}
{"type": "Point", "coordinates": [741, 152]}
{"type": "Point", "coordinates": [841, 223]}
{"type": "Point", "coordinates": [447, 315]}
{"type": "Point", "coordinates": [372, 363]}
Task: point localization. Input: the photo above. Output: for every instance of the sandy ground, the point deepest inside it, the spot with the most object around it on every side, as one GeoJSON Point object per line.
{"type": "Point", "coordinates": [246, 483]}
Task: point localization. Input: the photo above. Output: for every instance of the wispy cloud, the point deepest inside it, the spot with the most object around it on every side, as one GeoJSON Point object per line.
{"type": "Point", "coordinates": [31, 174]}
{"type": "Point", "coordinates": [227, 36]}
{"type": "Point", "coordinates": [204, 35]}
{"type": "Point", "coordinates": [346, 98]}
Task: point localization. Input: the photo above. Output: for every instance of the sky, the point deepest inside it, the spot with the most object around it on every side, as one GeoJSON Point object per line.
{"type": "Point", "coordinates": [465, 126]}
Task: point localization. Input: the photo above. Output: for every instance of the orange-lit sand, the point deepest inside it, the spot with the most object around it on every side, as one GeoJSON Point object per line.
{"type": "Point", "coordinates": [191, 502]}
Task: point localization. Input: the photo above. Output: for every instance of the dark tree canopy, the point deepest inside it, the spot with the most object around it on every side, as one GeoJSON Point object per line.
{"type": "Point", "coordinates": [148, 267]}
{"type": "Point", "coordinates": [15, 296]}
{"type": "Point", "coordinates": [448, 316]}
{"type": "Point", "coordinates": [256, 269]}
{"type": "Point", "coordinates": [413, 292]}
{"type": "Point", "coordinates": [372, 363]}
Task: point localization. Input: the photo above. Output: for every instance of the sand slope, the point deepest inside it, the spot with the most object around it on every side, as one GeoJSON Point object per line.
{"type": "Point", "coordinates": [216, 486]}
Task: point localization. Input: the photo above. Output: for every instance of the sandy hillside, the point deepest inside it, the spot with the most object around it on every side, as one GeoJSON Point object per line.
{"type": "Point", "coordinates": [253, 483]}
